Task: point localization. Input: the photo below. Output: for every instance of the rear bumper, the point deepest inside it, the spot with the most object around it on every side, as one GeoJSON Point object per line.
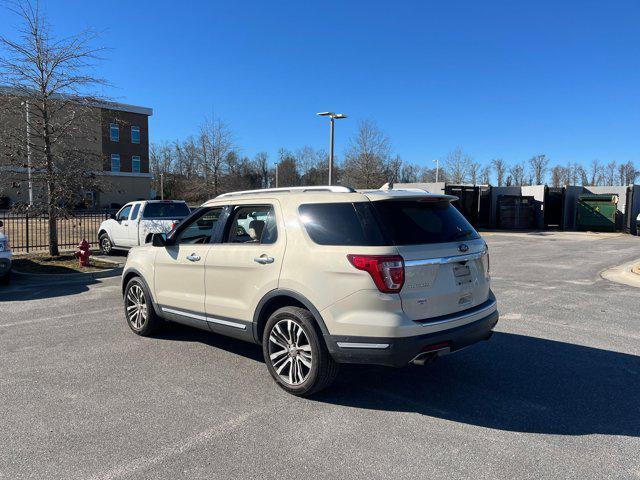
{"type": "Point", "coordinates": [397, 352]}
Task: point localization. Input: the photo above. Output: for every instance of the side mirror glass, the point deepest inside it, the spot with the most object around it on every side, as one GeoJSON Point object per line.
{"type": "Point", "coordinates": [159, 239]}
{"type": "Point", "coordinates": [112, 216]}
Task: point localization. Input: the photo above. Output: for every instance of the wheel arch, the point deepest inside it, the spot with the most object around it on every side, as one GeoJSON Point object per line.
{"type": "Point", "coordinates": [131, 273]}
{"type": "Point", "coordinates": [279, 298]}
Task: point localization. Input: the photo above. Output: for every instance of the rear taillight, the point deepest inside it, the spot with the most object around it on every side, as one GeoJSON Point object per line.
{"type": "Point", "coordinates": [387, 271]}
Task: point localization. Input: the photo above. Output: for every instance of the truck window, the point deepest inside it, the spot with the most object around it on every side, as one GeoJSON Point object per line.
{"type": "Point", "coordinates": [166, 210]}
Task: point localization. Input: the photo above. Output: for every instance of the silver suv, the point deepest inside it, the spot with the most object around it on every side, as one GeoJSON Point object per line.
{"type": "Point", "coordinates": [320, 276]}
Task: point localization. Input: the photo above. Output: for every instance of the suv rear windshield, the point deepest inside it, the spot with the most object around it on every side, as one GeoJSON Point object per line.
{"type": "Point", "coordinates": [415, 222]}
{"type": "Point", "coordinates": [380, 223]}
{"type": "Point", "coordinates": [166, 210]}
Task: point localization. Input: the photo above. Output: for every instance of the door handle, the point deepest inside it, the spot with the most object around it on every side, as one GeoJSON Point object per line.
{"type": "Point", "coordinates": [193, 257]}
{"type": "Point", "coordinates": [264, 259]}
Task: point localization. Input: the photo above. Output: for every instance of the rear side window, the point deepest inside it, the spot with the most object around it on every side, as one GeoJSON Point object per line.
{"type": "Point", "coordinates": [341, 224]}
{"type": "Point", "coordinates": [253, 224]}
{"type": "Point", "coordinates": [420, 222]}
{"type": "Point", "coordinates": [166, 210]}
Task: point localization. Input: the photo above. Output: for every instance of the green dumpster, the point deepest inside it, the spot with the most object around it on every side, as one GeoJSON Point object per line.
{"type": "Point", "coordinates": [597, 212]}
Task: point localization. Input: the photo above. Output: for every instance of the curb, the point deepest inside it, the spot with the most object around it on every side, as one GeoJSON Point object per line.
{"type": "Point", "coordinates": [114, 272]}
{"type": "Point", "coordinates": [623, 274]}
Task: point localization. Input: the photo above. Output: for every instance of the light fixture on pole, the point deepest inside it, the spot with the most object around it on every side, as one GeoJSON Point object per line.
{"type": "Point", "coordinates": [437, 161]}
{"type": "Point", "coordinates": [332, 116]}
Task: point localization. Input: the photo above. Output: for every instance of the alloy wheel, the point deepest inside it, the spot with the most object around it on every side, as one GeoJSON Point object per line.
{"type": "Point", "coordinates": [290, 352]}
{"type": "Point", "coordinates": [136, 306]}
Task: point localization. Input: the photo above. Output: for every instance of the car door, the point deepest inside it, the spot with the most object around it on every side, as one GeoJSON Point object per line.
{"type": "Point", "coordinates": [134, 221]}
{"type": "Point", "coordinates": [179, 268]}
{"type": "Point", "coordinates": [244, 266]}
{"type": "Point", "coordinates": [119, 230]}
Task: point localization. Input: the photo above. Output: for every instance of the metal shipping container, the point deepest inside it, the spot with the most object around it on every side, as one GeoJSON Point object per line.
{"type": "Point", "coordinates": [597, 212]}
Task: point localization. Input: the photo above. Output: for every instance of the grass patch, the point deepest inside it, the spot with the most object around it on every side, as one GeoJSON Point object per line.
{"type": "Point", "coordinates": [65, 263]}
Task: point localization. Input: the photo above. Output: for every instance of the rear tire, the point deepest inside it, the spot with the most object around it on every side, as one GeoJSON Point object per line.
{"type": "Point", "coordinates": [295, 353]}
{"type": "Point", "coordinates": [106, 247]}
{"type": "Point", "coordinates": [138, 309]}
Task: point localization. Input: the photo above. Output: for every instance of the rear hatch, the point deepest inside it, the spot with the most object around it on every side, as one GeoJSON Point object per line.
{"type": "Point", "coordinates": [446, 261]}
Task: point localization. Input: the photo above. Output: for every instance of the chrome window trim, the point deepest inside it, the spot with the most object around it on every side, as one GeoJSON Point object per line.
{"type": "Point", "coordinates": [444, 260]}
{"type": "Point", "coordinates": [205, 318]}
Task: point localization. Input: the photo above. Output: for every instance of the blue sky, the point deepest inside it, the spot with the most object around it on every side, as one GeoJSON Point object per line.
{"type": "Point", "coordinates": [505, 79]}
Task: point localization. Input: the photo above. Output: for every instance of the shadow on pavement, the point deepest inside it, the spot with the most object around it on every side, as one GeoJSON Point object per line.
{"type": "Point", "coordinates": [25, 289]}
{"type": "Point", "coordinates": [514, 383]}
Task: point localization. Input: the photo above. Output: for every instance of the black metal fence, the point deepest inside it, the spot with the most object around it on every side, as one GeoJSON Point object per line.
{"type": "Point", "coordinates": [30, 233]}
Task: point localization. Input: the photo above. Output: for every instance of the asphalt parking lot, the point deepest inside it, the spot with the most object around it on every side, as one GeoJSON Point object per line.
{"type": "Point", "coordinates": [554, 394]}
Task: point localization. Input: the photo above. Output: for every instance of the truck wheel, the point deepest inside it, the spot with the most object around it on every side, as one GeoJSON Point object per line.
{"type": "Point", "coordinates": [295, 353]}
{"type": "Point", "coordinates": [138, 309]}
{"type": "Point", "coordinates": [106, 247]}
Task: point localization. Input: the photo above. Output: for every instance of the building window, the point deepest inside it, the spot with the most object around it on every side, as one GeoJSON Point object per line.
{"type": "Point", "coordinates": [135, 134]}
{"type": "Point", "coordinates": [135, 164]}
{"type": "Point", "coordinates": [114, 132]}
{"type": "Point", "coordinates": [115, 162]}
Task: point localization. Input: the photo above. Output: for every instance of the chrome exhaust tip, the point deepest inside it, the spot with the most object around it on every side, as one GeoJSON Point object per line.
{"type": "Point", "coordinates": [430, 356]}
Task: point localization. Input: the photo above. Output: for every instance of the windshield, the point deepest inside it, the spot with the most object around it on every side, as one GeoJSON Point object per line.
{"type": "Point", "coordinates": [166, 210]}
{"type": "Point", "coordinates": [419, 222]}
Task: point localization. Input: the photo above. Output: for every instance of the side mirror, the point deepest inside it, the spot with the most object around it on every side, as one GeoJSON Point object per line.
{"type": "Point", "coordinates": [112, 216]}
{"type": "Point", "coordinates": [159, 239]}
{"type": "Point", "coordinates": [1, 224]}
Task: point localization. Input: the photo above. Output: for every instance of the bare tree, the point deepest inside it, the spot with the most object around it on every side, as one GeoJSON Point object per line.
{"type": "Point", "coordinates": [474, 172]}
{"type": "Point", "coordinates": [367, 157]}
{"type": "Point", "coordinates": [217, 142]}
{"type": "Point", "coordinates": [457, 164]}
{"type": "Point", "coordinates": [53, 77]}
{"type": "Point", "coordinates": [538, 166]}
{"type": "Point", "coordinates": [410, 173]}
{"type": "Point", "coordinates": [630, 173]}
{"type": "Point", "coordinates": [517, 173]}
{"type": "Point", "coordinates": [261, 164]}
{"type": "Point", "coordinates": [500, 167]}
{"type": "Point", "coordinates": [610, 173]}
{"type": "Point", "coordinates": [485, 175]}
{"type": "Point", "coordinates": [595, 172]}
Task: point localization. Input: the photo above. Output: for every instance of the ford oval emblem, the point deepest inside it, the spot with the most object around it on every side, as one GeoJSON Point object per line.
{"type": "Point", "coordinates": [463, 247]}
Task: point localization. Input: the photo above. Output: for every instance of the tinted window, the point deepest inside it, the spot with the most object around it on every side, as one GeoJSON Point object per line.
{"type": "Point", "coordinates": [253, 224]}
{"type": "Point", "coordinates": [166, 210]}
{"type": "Point", "coordinates": [136, 209]}
{"type": "Point", "coordinates": [201, 228]}
{"type": "Point", "coordinates": [341, 224]}
{"type": "Point", "coordinates": [419, 222]}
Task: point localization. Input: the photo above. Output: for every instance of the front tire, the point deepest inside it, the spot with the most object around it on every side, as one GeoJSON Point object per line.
{"type": "Point", "coordinates": [106, 247]}
{"type": "Point", "coordinates": [295, 353]}
{"type": "Point", "coordinates": [138, 309]}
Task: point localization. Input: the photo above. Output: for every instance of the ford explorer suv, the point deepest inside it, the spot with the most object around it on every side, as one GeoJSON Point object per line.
{"type": "Point", "coordinates": [136, 221]}
{"type": "Point", "coordinates": [319, 276]}
{"type": "Point", "coordinates": [5, 256]}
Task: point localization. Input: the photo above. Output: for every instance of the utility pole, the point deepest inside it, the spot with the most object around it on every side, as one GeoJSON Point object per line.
{"type": "Point", "coordinates": [161, 186]}
{"type": "Point", "coordinates": [332, 116]}
{"type": "Point", "coordinates": [437, 168]}
{"type": "Point", "coordinates": [277, 164]}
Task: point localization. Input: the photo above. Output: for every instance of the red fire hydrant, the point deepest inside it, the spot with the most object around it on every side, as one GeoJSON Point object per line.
{"type": "Point", "coordinates": [82, 253]}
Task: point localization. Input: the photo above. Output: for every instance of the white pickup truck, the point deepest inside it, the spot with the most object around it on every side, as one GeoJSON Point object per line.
{"type": "Point", "coordinates": [134, 222]}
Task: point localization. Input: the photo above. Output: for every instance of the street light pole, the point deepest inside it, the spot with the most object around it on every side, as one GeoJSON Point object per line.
{"type": "Point", "coordinates": [161, 186]}
{"type": "Point", "coordinates": [332, 117]}
{"type": "Point", "coordinates": [437, 168]}
{"type": "Point", "coordinates": [277, 164]}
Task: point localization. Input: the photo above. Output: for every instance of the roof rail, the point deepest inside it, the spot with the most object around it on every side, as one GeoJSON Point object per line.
{"type": "Point", "coordinates": [317, 188]}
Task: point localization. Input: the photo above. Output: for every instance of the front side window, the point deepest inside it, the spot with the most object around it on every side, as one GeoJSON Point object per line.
{"type": "Point", "coordinates": [253, 224]}
{"type": "Point", "coordinates": [115, 162]}
{"type": "Point", "coordinates": [124, 213]}
{"type": "Point", "coordinates": [135, 164]}
{"type": "Point", "coordinates": [114, 132]}
{"type": "Point", "coordinates": [135, 134]}
{"type": "Point", "coordinates": [350, 224]}
{"type": "Point", "coordinates": [201, 228]}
